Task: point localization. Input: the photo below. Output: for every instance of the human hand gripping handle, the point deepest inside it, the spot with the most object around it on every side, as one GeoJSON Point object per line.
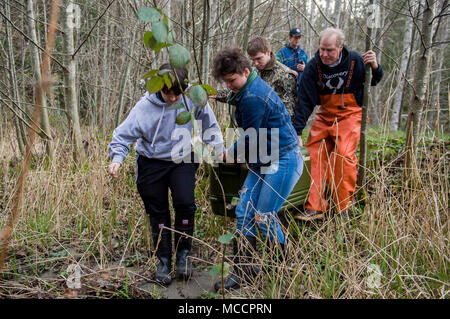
{"type": "Point", "coordinates": [113, 169]}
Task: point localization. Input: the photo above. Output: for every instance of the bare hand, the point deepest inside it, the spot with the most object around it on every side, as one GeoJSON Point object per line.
{"type": "Point", "coordinates": [300, 141]}
{"type": "Point", "coordinates": [213, 96]}
{"type": "Point", "coordinates": [370, 58]}
{"type": "Point", "coordinates": [301, 66]}
{"type": "Point", "coordinates": [113, 169]}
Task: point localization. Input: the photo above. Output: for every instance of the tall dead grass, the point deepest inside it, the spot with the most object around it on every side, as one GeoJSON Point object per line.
{"type": "Point", "coordinates": [397, 248]}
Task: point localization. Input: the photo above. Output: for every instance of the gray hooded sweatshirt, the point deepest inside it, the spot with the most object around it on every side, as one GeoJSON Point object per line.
{"type": "Point", "coordinates": [151, 123]}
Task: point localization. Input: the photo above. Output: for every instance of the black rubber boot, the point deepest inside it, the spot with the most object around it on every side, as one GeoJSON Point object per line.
{"type": "Point", "coordinates": [163, 271]}
{"type": "Point", "coordinates": [164, 254]}
{"type": "Point", "coordinates": [183, 265]}
{"type": "Point", "coordinates": [243, 270]}
{"type": "Point", "coordinates": [183, 246]}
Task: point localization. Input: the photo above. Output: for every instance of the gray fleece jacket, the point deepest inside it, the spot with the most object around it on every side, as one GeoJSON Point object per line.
{"type": "Point", "coordinates": [152, 125]}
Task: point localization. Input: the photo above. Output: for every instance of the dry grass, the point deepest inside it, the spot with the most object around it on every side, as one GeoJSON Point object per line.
{"type": "Point", "coordinates": [78, 215]}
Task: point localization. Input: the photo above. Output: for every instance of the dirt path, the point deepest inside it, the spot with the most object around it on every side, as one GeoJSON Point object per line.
{"type": "Point", "coordinates": [199, 286]}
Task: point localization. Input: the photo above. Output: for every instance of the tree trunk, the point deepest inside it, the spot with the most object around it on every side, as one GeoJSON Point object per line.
{"type": "Point", "coordinates": [205, 41]}
{"type": "Point", "coordinates": [71, 98]}
{"type": "Point", "coordinates": [248, 29]}
{"type": "Point", "coordinates": [45, 124]}
{"type": "Point", "coordinates": [337, 12]}
{"type": "Point", "coordinates": [365, 110]}
{"type": "Point", "coordinates": [401, 76]}
{"type": "Point", "coordinates": [435, 106]}
{"type": "Point", "coordinates": [421, 78]}
{"type": "Point", "coordinates": [14, 91]}
{"type": "Point", "coordinates": [125, 78]}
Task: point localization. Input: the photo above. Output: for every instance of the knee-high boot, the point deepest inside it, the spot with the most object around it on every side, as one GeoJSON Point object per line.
{"type": "Point", "coordinates": [183, 246]}
{"type": "Point", "coordinates": [163, 246]}
{"type": "Point", "coordinates": [243, 270]}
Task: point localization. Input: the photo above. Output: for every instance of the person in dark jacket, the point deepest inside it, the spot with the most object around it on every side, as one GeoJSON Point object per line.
{"type": "Point", "coordinates": [333, 79]}
{"type": "Point", "coordinates": [266, 128]}
{"type": "Point", "coordinates": [292, 55]}
{"type": "Point", "coordinates": [281, 78]}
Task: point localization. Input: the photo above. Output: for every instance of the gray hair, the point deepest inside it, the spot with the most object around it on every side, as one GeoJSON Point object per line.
{"type": "Point", "coordinates": [328, 32]}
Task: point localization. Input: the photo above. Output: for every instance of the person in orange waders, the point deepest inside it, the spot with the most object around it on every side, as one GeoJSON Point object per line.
{"type": "Point", "coordinates": [333, 79]}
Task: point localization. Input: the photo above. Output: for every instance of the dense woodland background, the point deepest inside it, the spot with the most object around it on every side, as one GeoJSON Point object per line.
{"type": "Point", "coordinates": [96, 66]}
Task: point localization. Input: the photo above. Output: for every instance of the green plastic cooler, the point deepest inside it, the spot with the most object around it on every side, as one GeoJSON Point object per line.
{"type": "Point", "coordinates": [232, 177]}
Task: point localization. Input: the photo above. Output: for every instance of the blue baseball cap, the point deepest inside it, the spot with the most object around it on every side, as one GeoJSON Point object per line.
{"type": "Point", "coordinates": [295, 32]}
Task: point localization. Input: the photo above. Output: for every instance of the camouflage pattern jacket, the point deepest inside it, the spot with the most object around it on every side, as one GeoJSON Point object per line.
{"type": "Point", "coordinates": [280, 78]}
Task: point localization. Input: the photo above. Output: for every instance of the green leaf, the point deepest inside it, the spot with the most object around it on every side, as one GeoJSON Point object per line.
{"type": "Point", "coordinates": [149, 74]}
{"type": "Point", "coordinates": [217, 270]}
{"type": "Point", "coordinates": [157, 46]}
{"type": "Point", "coordinates": [147, 36]}
{"type": "Point", "coordinates": [198, 95]}
{"type": "Point", "coordinates": [177, 106]}
{"type": "Point", "coordinates": [226, 238]}
{"type": "Point", "coordinates": [209, 89]}
{"type": "Point", "coordinates": [167, 80]}
{"type": "Point", "coordinates": [235, 201]}
{"type": "Point", "coordinates": [163, 71]}
{"type": "Point", "coordinates": [155, 84]}
{"type": "Point", "coordinates": [160, 32]}
{"type": "Point", "coordinates": [148, 15]}
{"type": "Point", "coordinates": [166, 20]}
{"type": "Point", "coordinates": [183, 118]}
{"type": "Point", "coordinates": [179, 57]}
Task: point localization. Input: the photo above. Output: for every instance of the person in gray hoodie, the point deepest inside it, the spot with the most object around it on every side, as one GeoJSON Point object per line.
{"type": "Point", "coordinates": [164, 160]}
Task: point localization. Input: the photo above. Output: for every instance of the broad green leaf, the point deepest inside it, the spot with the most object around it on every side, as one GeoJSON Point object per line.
{"type": "Point", "coordinates": [157, 46]}
{"type": "Point", "coordinates": [147, 36]}
{"type": "Point", "coordinates": [209, 89]}
{"type": "Point", "coordinates": [226, 238]}
{"type": "Point", "coordinates": [160, 32]}
{"type": "Point", "coordinates": [179, 57]}
{"type": "Point", "coordinates": [217, 270]}
{"type": "Point", "coordinates": [198, 95]}
{"type": "Point", "coordinates": [177, 106]}
{"type": "Point", "coordinates": [148, 15]}
{"type": "Point", "coordinates": [149, 74]}
{"type": "Point", "coordinates": [183, 118]}
{"type": "Point", "coordinates": [167, 80]}
{"type": "Point", "coordinates": [155, 84]}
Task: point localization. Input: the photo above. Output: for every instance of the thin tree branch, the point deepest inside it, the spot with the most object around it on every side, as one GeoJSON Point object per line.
{"type": "Point", "coordinates": [41, 131]}
{"type": "Point", "coordinates": [29, 39]}
{"type": "Point", "coordinates": [323, 14]}
{"type": "Point", "coordinates": [90, 31]}
{"type": "Point", "coordinates": [303, 15]}
{"type": "Point", "coordinates": [42, 134]}
{"type": "Point", "coordinates": [382, 51]}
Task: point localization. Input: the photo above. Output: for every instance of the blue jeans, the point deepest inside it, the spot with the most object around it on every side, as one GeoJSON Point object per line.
{"type": "Point", "coordinates": [262, 195]}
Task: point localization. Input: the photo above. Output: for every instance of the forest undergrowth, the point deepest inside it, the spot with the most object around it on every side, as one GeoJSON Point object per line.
{"type": "Point", "coordinates": [75, 214]}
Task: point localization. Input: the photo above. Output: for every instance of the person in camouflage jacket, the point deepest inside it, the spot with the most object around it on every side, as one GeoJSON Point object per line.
{"type": "Point", "coordinates": [277, 75]}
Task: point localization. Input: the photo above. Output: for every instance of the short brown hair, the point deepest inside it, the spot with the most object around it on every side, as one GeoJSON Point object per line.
{"type": "Point", "coordinates": [179, 84]}
{"type": "Point", "coordinates": [229, 60]}
{"type": "Point", "coordinates": [258, 44]}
